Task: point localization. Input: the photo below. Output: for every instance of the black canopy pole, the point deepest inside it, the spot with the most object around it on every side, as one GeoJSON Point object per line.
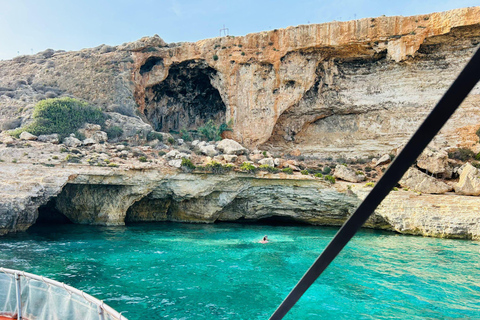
{"type": "Point", "coordinates": [465, 82]}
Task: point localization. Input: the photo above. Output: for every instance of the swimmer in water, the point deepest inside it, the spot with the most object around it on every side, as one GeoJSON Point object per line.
{"type": "Point", "coordinates": [264, 240]}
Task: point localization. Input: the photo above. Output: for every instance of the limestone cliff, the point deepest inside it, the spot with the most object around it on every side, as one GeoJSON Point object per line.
{"type": "Point", "coordinates": [352, 88]}
{"type": "Point", "coordinates": [102, 196]}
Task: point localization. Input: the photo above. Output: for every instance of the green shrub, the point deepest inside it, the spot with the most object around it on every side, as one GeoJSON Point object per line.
{"type": "Point", "coordinates": [161, 153]}
{"type": "Point", "coordinates": [266, 167]}
{"type": "Point", "coordinates": [217, 167]}
{"type": "Point", "coordinates": [370, 184]}
{"type": "Point", "coordinates": [61, 115]}
{"type": "Point", "coordinates": [113, 165]}
{"type": "Point", "coordinates": [55, 157]}
{"type": "Point", "coordinates": [142, 159]}
{"type": "Point", "coordinates": [225, 127]}
{"type": "Point", "coordinates": [72, 159]}
{"type": "Point", "coordinates": [79, 135]}
{"type": "Point", "coordinates": [477, 157]}
{"type": "Point", "coordinates": [114, 132]}
{"type": "Point", "coordinates": [359, 173]}
{"type": "Point", "coordinates": [185, 135]}
{"type": "Point", "coordinates": [478, 133]}
{"type": "Point", "coordinates": [462, 154]}
{"type": "Point", "coordinates": [171, 140]}
{"type": "Point", "coordinates": [187, 165]}
{"type": "Point", "coordinates": [152, 135]}
{"type": "Point", "coordinates": [318, 175]}
{"type": "Point", "coordinates": [304, 172]}
{"type": "Point", "coordinates": [368, 169]}
{"type": "Point", "coordinates": [248, 167]}
{"type": "Point", "coordinates": [330, 179]}
{"type": "Point", "coordinates": [326, 170]}
{"type": "Point", "coordinates": [215, 57]}
{"type": "Point", "coordinates": [210, 132]}
{"type": "Point", "coordinates": [476, 164]}
{"type": "Point", "coordinates": [287, 170]}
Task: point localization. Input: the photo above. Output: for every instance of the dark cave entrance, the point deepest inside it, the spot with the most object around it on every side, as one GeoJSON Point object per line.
{"type": "Point", "coordinates": [186, 99]}
{"type": "Point", "coordinates": [48, 214]}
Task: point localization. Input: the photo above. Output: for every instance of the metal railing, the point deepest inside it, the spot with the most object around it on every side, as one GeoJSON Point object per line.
{"type": "Point", "coordinates": [81, 299]}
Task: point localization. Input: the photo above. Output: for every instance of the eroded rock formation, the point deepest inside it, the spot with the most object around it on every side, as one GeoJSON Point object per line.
{"type": "Point", "coordinates": [351, 88]}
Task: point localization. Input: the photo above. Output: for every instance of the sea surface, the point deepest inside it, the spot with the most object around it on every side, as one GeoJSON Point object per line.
{"type": "Point", "coordinates": [221, 271]}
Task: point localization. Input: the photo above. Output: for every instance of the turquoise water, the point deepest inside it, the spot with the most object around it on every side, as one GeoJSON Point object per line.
{"type": "Point", "coordinates": [220, 271]}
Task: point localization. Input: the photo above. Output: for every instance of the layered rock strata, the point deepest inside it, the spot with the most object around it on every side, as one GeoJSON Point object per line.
{"type": "Point", "coordinates": [102, 196]}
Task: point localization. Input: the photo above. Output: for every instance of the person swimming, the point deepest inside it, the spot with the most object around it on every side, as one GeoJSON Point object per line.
{"type": "Point", "coordinates": [264, 240]}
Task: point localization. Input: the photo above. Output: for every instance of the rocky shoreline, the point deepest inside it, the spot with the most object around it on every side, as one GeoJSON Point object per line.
{"type": "Point", "coordinates": [55, 190]}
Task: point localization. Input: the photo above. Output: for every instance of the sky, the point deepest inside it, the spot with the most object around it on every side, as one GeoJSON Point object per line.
{"type": "Point", "coordinates": [30, 26]}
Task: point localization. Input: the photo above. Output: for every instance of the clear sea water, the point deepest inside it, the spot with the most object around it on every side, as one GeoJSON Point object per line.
{"type": "Point", "coordinates": [220, 271]}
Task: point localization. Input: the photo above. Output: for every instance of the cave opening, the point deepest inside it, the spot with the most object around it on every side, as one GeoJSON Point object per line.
{"type": "Point", "coordinates": [48, 214]}
{"type": "Point", "coordinates": [186, 99]}
{"type": "Point", "coordinates": [149, 64]}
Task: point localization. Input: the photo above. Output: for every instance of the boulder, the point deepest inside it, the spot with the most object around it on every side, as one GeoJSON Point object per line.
{"type": "Point", "coordinates": [130, 125]}
{"type": "Point", "coordinates": [267, 161]}
{"type": "Point", "coordinates": [27, 136]}
{"type": "Point", "coordinates": [383, 160]}
{"type": "Point", "coordinates": [229, 146]}
{"type": "Point", "coordinates": [52, 138]}
{"type": "Point", "coordinates": [89, 129]}
{"type": "Point", "coordinates": [6, 138]}
{"type": "Point", "coordinates": [435, 162]}
{"type": "Point", "coordinates": [230, 158]}
{"type": "Point", "coordinates": [172, 154]}
{"type": "Point", "coordinates": [182, 155]}
{"type": "Point", "coordinates": [347, 174]}
{"type": "Point", "coordinates": [89, 142]}
{"type": "Point", "coordinates": [145, 42]}
{"type": "Point", "coordinates": [177, 163]}
{"type": "Point", "coordinates": [99, 136]}
{"type": "Point", "coordinates": [419, 181]}
{"type": "Point", "coordinates": [195, 142]}
{"type": "Point", "coordinates": [208, 150]}
{"type": "Point", "coordinates": [72, 141]}
{"type": "Point", "coordinates": [469, 182]}
{"type": "Point", "coordinates": [296, 153]}
{"type": "Point", "coordinates": [256, 157]}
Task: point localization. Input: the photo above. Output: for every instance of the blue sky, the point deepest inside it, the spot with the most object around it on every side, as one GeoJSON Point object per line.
{"type": "Point", "coordinates": [28, 26]}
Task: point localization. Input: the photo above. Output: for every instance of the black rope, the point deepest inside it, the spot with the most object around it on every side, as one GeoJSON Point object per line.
{"type": "Point", "coordinates": [465, 82]}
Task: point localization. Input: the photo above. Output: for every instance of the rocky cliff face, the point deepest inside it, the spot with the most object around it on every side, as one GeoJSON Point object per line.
{"type": "Point", "coordinates": [351, 88]}
{"type": "Point", "coordinates": [102, 196]}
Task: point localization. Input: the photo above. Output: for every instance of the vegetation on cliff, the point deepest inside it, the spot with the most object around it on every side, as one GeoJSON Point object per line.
{"type": "Point", "coordinates": [61, 115]}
